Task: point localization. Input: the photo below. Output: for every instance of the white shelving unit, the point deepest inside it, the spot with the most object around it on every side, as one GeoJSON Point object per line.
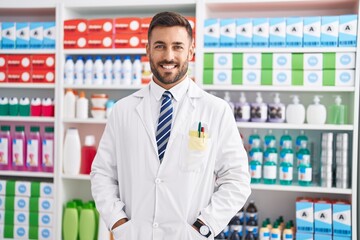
{"type": "Point", "coordinates": [280, 200]}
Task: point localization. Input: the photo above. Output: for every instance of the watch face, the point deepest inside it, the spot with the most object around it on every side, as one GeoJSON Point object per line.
{"type": "Point", "coordinates": [204, 230]}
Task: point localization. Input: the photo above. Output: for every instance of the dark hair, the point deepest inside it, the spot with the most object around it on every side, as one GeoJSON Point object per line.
{"type": "Point", "coordinates": [169, 19]}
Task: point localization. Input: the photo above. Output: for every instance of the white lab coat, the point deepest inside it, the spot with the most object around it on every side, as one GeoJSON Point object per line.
{"type": "Point", "coordinates": [162, 201]}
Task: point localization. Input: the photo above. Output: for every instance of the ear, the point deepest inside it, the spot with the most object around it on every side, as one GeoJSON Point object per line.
{"type": "Point", "coordinates": [191, 50]}
{"type": "Point", "coordinates": [147, 49]}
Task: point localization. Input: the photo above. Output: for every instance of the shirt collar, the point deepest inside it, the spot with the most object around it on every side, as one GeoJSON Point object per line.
{"type": "Point", "coordinates": [178, 91]}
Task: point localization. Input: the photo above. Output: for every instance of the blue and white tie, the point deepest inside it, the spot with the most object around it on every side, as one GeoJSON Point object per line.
{"type": "Point", "coordinates": [164, 124]}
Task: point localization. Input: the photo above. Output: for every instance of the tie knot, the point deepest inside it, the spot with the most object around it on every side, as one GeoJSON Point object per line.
{"type": "Point", "coordinates": [167, 94]}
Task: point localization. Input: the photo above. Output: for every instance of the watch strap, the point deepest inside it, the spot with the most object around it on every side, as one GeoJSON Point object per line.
{"type": "Point", "coordinates": [198, 224]}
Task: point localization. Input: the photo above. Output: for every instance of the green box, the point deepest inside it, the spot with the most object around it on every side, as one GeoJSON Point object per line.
{"type": "Point", "coordinates": [10, 203]}
{"type": "Point", "coordinates": [208, 61]}
{"type": "Point", "coordinates": [33, 232]}
{"type": "Point", "coordinates": [35, 189]}
{"type": "Point", "coordinates": [208, 78]}
{"type": "Point", "coordinates": [329, 61]}
{"type": "Point", "coordinates": [297, 77]}
{"type": "Point", "coordinates": [33, 219]}
{"type": "Point", "coordinates": [9, 217]}
{"type": "Point", "coordinates": [10, 188]}
{"type": "Point", "coordinates": [236, 77]}
{"type": "Point", "coordinates": [8, 231]}
{"type": "Point", "coordinates": [328, 77]}
{"type": "Point", "coordinates": [266, 61]}
{"type": "Point", "coordinates": [237, 59]}
{"type": "Point", "coordinates": [266, 77]}
{"type": "Point", "coordinates": [297, 61]}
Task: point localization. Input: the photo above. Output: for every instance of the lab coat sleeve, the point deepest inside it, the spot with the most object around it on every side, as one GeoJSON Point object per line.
{"type": "Point", "coordinates": [232, 176]}
{"type": "Point", "coordinates": [104, 180]}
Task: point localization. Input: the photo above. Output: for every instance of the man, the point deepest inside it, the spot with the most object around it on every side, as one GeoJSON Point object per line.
{"type": "Point", "coordinates": [170, 164]}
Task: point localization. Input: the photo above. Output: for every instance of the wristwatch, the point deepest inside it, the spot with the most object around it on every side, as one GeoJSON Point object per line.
{"type": "Point", "coordinates": [203, 229]}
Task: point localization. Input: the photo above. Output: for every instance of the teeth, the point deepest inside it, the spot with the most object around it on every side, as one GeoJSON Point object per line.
{"type": "Point", "coordinates": [168, 66]}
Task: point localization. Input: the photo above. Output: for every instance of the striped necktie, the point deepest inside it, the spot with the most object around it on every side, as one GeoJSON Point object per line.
{"type": "Point", "coordinates": [164, 124]}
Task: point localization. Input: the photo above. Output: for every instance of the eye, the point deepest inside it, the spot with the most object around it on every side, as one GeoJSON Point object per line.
{"type": "Point", "coordinates": [178, 47]}
{"type": "Point", "coordinates": [159, 46]}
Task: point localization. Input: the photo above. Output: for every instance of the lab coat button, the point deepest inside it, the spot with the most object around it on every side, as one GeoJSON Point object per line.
{"type": "Point", "coordinates": [157, 180]}
{"type": "Point", "coordinates": [155, 225]}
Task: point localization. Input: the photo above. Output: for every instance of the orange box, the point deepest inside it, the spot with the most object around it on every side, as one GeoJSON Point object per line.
{"type": "Point", "coordinates": [192, 21]}
{"type": "Point", "coordinates": [79, 26]}
{"type": "Point", "coordinates": [43, 76]}
{"type": "Point", "coordinates": [3, 76]}
{"type": "Point", "coordinates": [19, 76]}
{"type": "Point", "coordinates": [127, 25]}
{"type": "Point", "coordinates": [19, 62]}
{"type": "Point", "coordinates": [43, 61]}
{"type": "Point", "coordinates": [3, 61]}
{"type": "Point", "coordinates": [75, 41]}
{"type": "Point", "coordinates": [143, 40]}
{"type": "Point", "coordinates": [130, 40]}
{"type": "Point", "coordinates": [145, 24]}
{"type": "Point", "coordinates": [100, 41]}
{"type": "Point", "coordinates": [101, 26]}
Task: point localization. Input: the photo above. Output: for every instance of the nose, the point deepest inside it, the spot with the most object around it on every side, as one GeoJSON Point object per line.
{"type": "Point", "coordinates": [169, 55]}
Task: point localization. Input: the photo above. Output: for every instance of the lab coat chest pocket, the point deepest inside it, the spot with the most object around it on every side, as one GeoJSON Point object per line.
{"type": "Point", "coordinates": [196, 153]}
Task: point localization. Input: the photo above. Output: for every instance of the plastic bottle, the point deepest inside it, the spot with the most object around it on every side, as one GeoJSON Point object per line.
{"type": "Point", "coordinates": [19, 149]}
{"type": "Point", "coordinates": [87, 223]}
{"type": "Point", "coordinates": [117, 69]}
{"type": "Point", "coordinates": [275, 232]}
{"type": "Point", "coordinates": [316, 113]}
{"type": "Point", "coordinates": [4, 106]}
{"type": "Point", "coordinates": [146, 70]}
{"type": "Point", "coordinates": [24, 107]}
{"type": "Point", "coordinates": [82, 106]}
{"type": "Point", "coordinates": [253, 138]}
{"type": "Point", "coordinates": [337, 112]}
{"type": "Point", "coordinates": [33, 150]}
{"type": "Point", "coordinates": [235, 225]}
{"type": "Point", "coordinates": [284, 139]}
{"type": "Point", "coordinates": [242, 109]}
{"type": "Point", "coordinates": [251, 212]}
{"type": "Point", "coordinates": [269, 140]}
{"type": "Point", "coordinates": [88, 152]}
{"type": "Point", "coordinates": [88, 71]}
{"type": "Point", "coordinates": [35, 106]}
{"type": "Point", "coordinates": [300, 140]}
{"type": "Point", "coordinates": [69, 71]}
{"type": "Point", "coordinates": [295, 112]}
{"type": "Point", "coordinates": [258, 112]}
{"type": "Point", "coordinates": [286, 165]}
{"type": "Point", "coordinates": [72, 152]}
{"type": "Point", "coordinates": [303, 154]}
{"type": "Point", "coordinates": [70, 222]}
{"type": "Point", "coordinates": [252, 228]}
{"type": "Point", "coordinates": [255, 162]}
{"type": "Point", "coordinates": [136, 71]}
{"type": "Point", "coordinates": [79, 71]}
{"type": "Point", "coordinates": [13, 106]}
{"type": "Point", "coordinates": [235, 236]}
{"type": "Point", "coordinates": [288, 233]}
{"type": "Point", "coordinates": [276, 110]}
{"type": "Point", "coordinates": [264, 232]}
{"type": "Point", "coordinates": [48, 150]}
{"type": "Point", "coordinates": [98, 78]}
{"type": "Point", "coordinates": [127, 71]}
{"type": "Point", "coordinates": [108, 70]}
{"type": "Point", "coordinates": [270, 164]}
{"type": "Point", "coordinates": [5, 148]}
{"type": "Point", "coordinates": [69, 104]}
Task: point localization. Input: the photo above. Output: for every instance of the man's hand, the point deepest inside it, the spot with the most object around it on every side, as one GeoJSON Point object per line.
{"type": "Point", "coordinates": [119, 223]}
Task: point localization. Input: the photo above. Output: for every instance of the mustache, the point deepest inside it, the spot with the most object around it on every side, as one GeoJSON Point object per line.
{"type": "Point", "coordinates": [167, 62]}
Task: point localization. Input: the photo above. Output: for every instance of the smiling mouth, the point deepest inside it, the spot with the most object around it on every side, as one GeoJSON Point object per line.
{"type": "Point", "coordinates": [168, 66]}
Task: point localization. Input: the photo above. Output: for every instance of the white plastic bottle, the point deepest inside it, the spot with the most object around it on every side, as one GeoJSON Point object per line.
{"type": "Point", "coordinates": [258, 110]}
{"type": "Point", "coordinates": [108, 65]}
{"type": "Point", "coordinates": [79, 71]}
{"type": "Point", "coordinates": [69, 104]}
{"type": "Point", "coordinates": [69, 71]}
{"type": "Point", "coordinates": [72, 152]}
{"type": "Point", "coordinates": [316, 113]}
{"type": "Point", "coordinates": [98, 71]}
{"type": "Point", "coordinates": [276, 110]}
{"type": "Point", "coordinates": [136, 71]}
{"type": "Point", "coordinates": [88, 70]}
{"type": "Point", "coordinates": [242, 109]}
{"type": "Point", "coordinates": [295, 112]}
{"type": "Point", "coordinates": [117, 69]}
{"type": "Point", "coordinates": [82, 106]}
{"type": "Point", "coordinates": [127, 71]}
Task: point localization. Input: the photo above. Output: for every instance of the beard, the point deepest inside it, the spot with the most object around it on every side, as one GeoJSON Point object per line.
{"type": "Point", "coordinates": [167, 77]}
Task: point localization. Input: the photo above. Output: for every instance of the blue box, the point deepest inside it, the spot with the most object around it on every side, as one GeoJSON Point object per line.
{"type": "Point", "coordinates": [36, 34]}
{"type": "Point", "coordinates": [322, 237]}
{"type": "Point", "coordinates": [348, 30]}
{"type": "Point", "coordinates": [211, 33]}
{"type": "Point", "coordinates": [304, 236]}
{"type": "Point", "coordinates": [304, 216]}
{"type": "Point", "coordinates": [22, 35]}
{"type": "Point", "coordinates": [49, 38]}
{"type": "Point", "coordinates": [312, 31]}
{"type": "Point", "coordinates": [227, 32]}
{"type": "Point", "coordinates": [323, 218]}
{"type": "Point", "coordinates": [342, 219]}
{"type": "Point", "coordinates": [8, 33]}
{"type": "Point", "coordinates": [329, 31]}
{"type": "Point", "coordinates": [294, 32]}
{"type": "Point", "coordinates": [277, 32]}
{"type": "Point", "coordinates": [260, 32]}
{"type": "Point", "coordinates": [244, 29]}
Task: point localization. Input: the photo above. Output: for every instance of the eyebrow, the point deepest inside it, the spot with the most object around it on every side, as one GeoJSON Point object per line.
{"type": "Point", "coordinates": [174, 43]}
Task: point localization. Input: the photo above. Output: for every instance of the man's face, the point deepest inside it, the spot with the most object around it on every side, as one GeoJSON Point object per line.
{"type": "Point", "coordinates": [169, 50]}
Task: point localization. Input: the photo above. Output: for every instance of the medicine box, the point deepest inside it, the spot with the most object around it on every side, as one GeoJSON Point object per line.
{"type": "Point", "coordinates": [329, 31]}
{"type": "Point", "coordinates": [36, 34]}
{"type": "Point", "coordinates": [211, 33]}
{"type": "Point", "coordinates": [227, 32]}
{"type": "Point", "coordinates": [342, 219]}
{"type": "Point", "coordinates": [313, 61]}
{"type": "Point", "coordinates": [282, 61]}
{"type": "Point", "coordinates": [222, 76]}
{"type": "Point", "coordinates": [277, 32]}
{"type": "Point", "coordinates": [131, 25]}
{"type": "Point", "coordinates": [341, 78]}
{"type": "Point", "coordinates": [22, 35]}
{"type": "Point", "coordinates": [252, 60]}
{"type": "Point", "coordinates": [294, 31]}
{"type": "Point", "coordinates": [77, 26]}
{"type": "Point", "coordinates": [49, 34]}
{"type": "Point", "coordinates": [260, 32]}
{"type": "Point", "coordinates": [339, 60]}
{"type": "Point", "coordinates": [304, 216]}
{"type": "Point", "coordinates": [313, 78]}
{"type": "Point", "coordinates": [348, 30]}
{"type": "Point", "coordinates": [244, 32]}
{"type": "Point", "coordinates": [323, 217]}
{"type": "Point", "coordinates": [322, 237]}
{"type": "Point", "coordinates": [8, 32]}
{"type": "Point", "coordinates": [304, 236]}
{"type": "Point", "coordinates": [312, 31]}
{"type": "Point", "coordinates": [102, 26]}
{"type": "Point", "coordinates": [252, 77]}
{"type": "Point", "coordinates": [223, 61]}
{"type": "Point", "coordinates": [281, 77]}
{"type": "Point", "coordinates": [7, 188]}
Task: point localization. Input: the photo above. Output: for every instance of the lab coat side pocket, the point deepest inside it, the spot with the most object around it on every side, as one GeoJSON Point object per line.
{"type": "Point", "coordinates": [122, 231]}
{"type": "Point", "coordinates": [196, 153]}
{"type": "Point", "coordinates": [194, 234]}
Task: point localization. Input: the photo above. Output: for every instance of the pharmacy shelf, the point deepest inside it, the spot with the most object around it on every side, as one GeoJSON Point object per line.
{"type": "Point", "coordinates": [27, 51]}
{"type": "Point", "coordinates": [280, 50]}
{"type": "Point", "coordinates": [110, 87]}
{"type": "Point", "coordinates": [297, 188]}
{"type": "Point", "coordinates": [266, 125]}
{"type": "Point", "coordinates": [28, 85]}
{"type": "Point", "coordinates": [27, 119]}
{"type": "Point", "coordinates": [276, 88]}
{"type": "Point", "coordinates": [105, 51]}
{"type": "Point", "coordinates": [86, 121]}
{"type": "Point", "coordinates": [27, 174]}
{"type": "Point", "coordinates": [76, 177]}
